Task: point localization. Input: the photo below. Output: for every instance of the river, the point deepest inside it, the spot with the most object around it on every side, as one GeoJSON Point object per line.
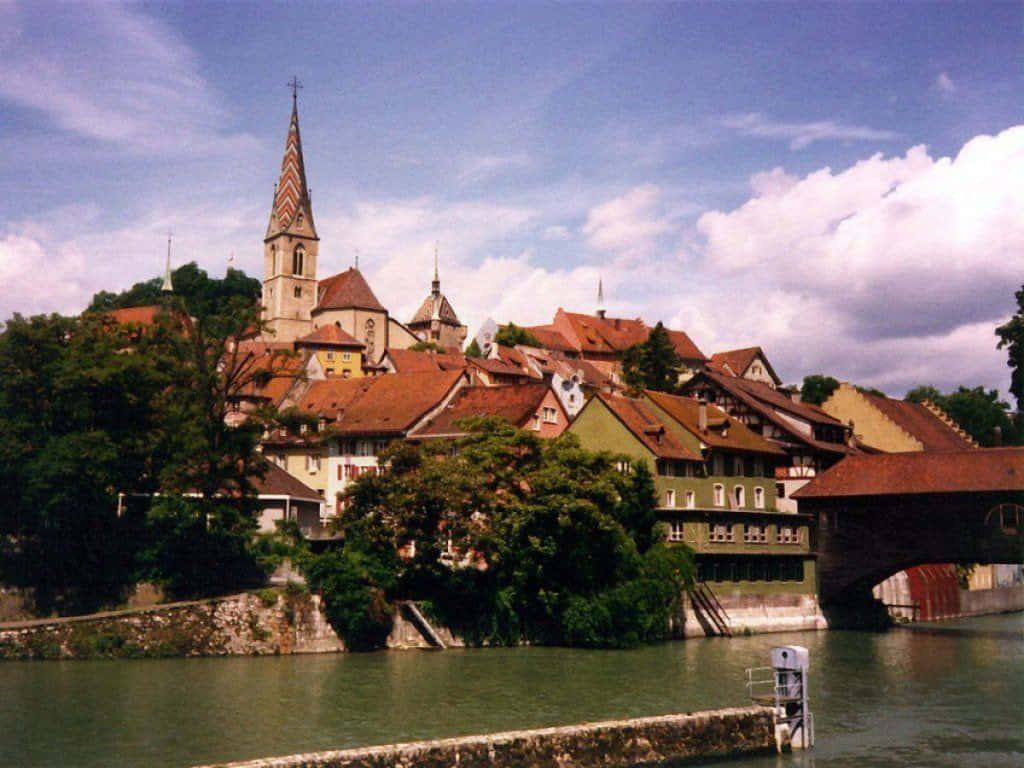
{"type": "Point", "coordinates": [892, 699]}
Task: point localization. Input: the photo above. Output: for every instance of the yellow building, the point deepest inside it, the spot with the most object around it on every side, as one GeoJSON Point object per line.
{"type": "Point", "coordinates": [338, 353]}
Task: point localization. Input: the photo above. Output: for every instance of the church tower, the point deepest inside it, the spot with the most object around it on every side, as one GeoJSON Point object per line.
{"type": "Point", "coordinates": [291, 244]}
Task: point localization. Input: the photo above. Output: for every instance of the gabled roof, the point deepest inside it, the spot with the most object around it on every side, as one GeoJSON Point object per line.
{"type": "Point", "coordinates": [381, 405]}
{"type": "Point", "coordinates": [329, 336]}
{"type": "Point", "coordinates": [281, 369]}
{"type": "Point", "coordinates": [922, 424]}
{"type": "Point", "coordinates": [549, 338]}
{"type": "Point", "coordinates": [641, 421]}
{"type": "Point", "coordinates": [977, 470]}
{"type": "Point", "coordinates": [607, 335]}
{"type": "Point", "coordinates": [346, 290]}
{"type": "Point", "coordinates": [515, 403]}
{"type": "Point", "coordinates": [411, 361]}
{"type": "Point", "coordinates": [723, 431]}
{"type": "Point", "coordinates": [435, 308]}
{"type": "Point", "coordinates": [739, 360]}
{"type": "Point", "coordinates": [767, 402]}
{"type": "Point", "coordinates": [496, 366]}
{"type": "Point", "coordinates": [277, 482]}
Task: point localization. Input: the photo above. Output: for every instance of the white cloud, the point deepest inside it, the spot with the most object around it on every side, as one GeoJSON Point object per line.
{"type": "Point", "coordinates": [629, 225]}
{"type": "Point", "coordinates": [892, 272]}
{"type": "Point", "coordinates": [801, 135]}
{"type": "Point", "coordinates": [484, 167]}
{"type": "Point", "coordinates": [945, 84]}
{"type": "Point", "coordinates": [556, 232]}
{"type": "Point", "coordinates": [112, 74]}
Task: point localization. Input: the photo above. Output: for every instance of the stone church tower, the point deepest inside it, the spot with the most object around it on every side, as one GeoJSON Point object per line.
{"type": "Point", "coordinates": [290, 247]}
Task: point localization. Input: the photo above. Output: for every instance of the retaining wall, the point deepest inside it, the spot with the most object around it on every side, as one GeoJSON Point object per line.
{"type": "Point", "coordinates": [650, 741]}
{"type": "Point", "coordinates": [756, 614]}
{"type": "Point", "coordinates": [977, 602]}
{"type": "Point", "coordinates": [245, 624]}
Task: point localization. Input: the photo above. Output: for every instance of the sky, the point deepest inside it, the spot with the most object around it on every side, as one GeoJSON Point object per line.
{"type": "Point", "coordinates": [841, 184]}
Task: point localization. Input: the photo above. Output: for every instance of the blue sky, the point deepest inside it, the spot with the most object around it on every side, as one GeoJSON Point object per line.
{"type": "Point", "coordinates": [840, 183]}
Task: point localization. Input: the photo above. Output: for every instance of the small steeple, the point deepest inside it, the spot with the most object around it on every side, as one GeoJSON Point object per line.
{"type": "Point", "coordinates": [168, 285]}
{"type": "Point", "coordinates": [435, 287]}
{"type": "Point", "coordinates": [600, 298]}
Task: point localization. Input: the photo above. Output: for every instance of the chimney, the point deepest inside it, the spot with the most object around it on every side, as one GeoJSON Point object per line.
{"type": "Point", "coordinates": [702, 415]}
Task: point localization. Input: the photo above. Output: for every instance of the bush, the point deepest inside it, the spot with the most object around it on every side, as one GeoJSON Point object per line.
{"type": "Point", "coordinates": [354, 584]}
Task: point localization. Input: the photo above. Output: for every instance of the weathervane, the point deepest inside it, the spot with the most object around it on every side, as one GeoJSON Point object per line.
{"type": "Point", "coordinates": [295, 84]}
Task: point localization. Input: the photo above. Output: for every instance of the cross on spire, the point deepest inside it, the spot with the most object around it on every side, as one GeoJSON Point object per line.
{"type": "Point", "coordinates": [295, 84]}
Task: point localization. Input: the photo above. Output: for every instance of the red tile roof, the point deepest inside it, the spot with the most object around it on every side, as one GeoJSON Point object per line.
{"type": "Point", "coordinates": [410, 361]}
{"type": "Point", "coordinates": [921, 423]}
{"type": "Point", "coordinates": [329, 336]}
{"type": "Point", "coordinates": [381, 405]}
{"type": "Point", "coordinates": [549, 338]}
{"type": "Point", "coordinates": [976, 470]}
{"type": "Point", "coordinates": [346, 290]}
{"type": "Point", "coordinates": [432, 306]}
{"type": "Point", "coordinates": [277, 482]}
{"type": "Point", "coordinates": [723, 431]}
{"type": "Point", "coordinates": [135, 315]}
{"type": "Point", "coordinates": [515, 403]}
{"type": "Point", "coordinates": [641, 421]}
{"type": "Point", "coordinates": [281, 367]}
{"type": "Point", "coordinates": [609, 335]}
{"type": "Point", "coordinates": [738, 360]}
{"type": "Point", "coordinates": [497, 367]}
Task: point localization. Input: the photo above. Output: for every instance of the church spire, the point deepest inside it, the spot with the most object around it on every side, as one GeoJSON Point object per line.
{"type": "Point", "coordinates": [168, 285]}
{"type": "Point", "coordinates": [435, 287]}
{"type": "Point", "coordinates": [600, 298]}
{"type": "Point", "coordinates": [292, 210]}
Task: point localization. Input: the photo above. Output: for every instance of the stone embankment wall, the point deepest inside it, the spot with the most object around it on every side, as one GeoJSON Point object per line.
{"type": "Point", "coordinates": [755, 614]}
{"type": "Point", "coordinates": [648, 741]}
{"type": "Point", "coordinates": [979, 602]}
{"type": "Point", "coordinates": [266, 623]}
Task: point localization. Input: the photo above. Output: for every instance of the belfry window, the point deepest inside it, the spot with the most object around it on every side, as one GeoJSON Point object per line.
{"type": "Point", "coordinates": [298, 256]}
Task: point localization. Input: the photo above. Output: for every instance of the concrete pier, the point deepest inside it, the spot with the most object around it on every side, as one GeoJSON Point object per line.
{"type": "Point", "coordinates": [667, 740]}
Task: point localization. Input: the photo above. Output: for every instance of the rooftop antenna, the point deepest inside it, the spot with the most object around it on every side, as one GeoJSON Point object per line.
{"type": "Point", "coordinates": [168, 286]}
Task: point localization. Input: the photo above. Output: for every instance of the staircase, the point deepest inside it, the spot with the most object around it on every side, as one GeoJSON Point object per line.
{"type": "Point", "coordinates": [412, 613]}
{"type": "Point", "coordinates": [709, 611]}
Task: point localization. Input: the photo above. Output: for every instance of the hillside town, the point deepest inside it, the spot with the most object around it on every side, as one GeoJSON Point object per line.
{"type": "Point", "coordinates": [729, 445]}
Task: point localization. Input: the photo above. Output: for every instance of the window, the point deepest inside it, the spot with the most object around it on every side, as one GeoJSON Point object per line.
{"type": "Point", "coordinates": [737, 466]}
{"type": "Point", "coordinates": [364, 448]}
{"type": "Point", "coordinates": [330, 355]}
{"type": "Point", "coordinates": [303, 429]}
{"type": "Point", "coordinates": [622, 466]}
{"type": "Point", "coordinates": [739, 495]}
{"type": "Point", "coordinates": [368, 337]}
{"type": "Point", "coordinates": [536, 423]}
{"type": "Point", "coordinates": [719, 495]}
{"type": "Point", "coordinates": [298, 292]}
{"type": "Point", "coordinates": [759, 497]}
{"type": "Point", "coordinates": [298, 257]}
{"type": "Point", "coordinates": [789, 534]}
{"type": "Point", "coordinates": [780, 490]}
{"type": "Point", "coordinates": [670, 498]}
{"type": "Point", "coordinates": [675, 530]}
{"type": "Point", "coordinates": [550, 415]}
{"type": "Point", "coordinates": [313, 463]}
{"type": "Point", "coordinates": [691, 499]}
{"type": "Point", "coordinates": [755, 533]}
{"type": "Point", "coordinates": [718, 465]}
{"type": "Point", "coordinates": [346, 357]}
{"type": "Point", "coordinates": [719, 532]}
{"type": "Point", "coordinates": [346, 373]}
{"type": "Point", "coordinates": [299, 220]}
{"type": "Point", "coordinates": [758, 466]}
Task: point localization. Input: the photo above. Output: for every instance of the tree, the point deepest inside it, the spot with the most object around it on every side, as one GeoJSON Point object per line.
{"type": "Point", "coordinates": [473, 350]}
{"type": "Point", "coordinates": [817, 388]}
{"type": "Point", "coordinates": [427, 346]}
{"type": "Point", "coordinates": [1011, 336]}
{"type": "Point", "coordinates": [510, 335]}
{"type": "Point", "coordinates": [653, 364]}
{"type": "Point", "coordinates": [546, 541]}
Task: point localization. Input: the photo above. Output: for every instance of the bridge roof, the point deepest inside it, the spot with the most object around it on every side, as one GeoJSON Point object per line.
{"type": "Point", "coordinates": [978, 470]}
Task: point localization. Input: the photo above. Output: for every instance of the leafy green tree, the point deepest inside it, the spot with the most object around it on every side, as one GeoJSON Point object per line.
{"type": "Point", "coordinates": [427, 346]}
{"type": "Point", "coordinates": [978, 412]}
{"type": "Point", "coordinates": [510, 335]}
{"type": "Point", "coordinates": [653, 364]}
{"type": "Point", "coordinates": [1011, 336]}
{"type": "Point", "coordinates": [473, 349]}
{"type": "Point", "coordinates": [518, 538]}
{"type": "Point", "coordinates": [817, 388]}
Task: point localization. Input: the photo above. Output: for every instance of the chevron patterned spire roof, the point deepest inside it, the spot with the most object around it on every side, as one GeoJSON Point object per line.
{"type": "Point", "coordinates": [292, 195]}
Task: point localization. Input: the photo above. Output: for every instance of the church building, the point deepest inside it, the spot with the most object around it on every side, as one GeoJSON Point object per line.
{"type": "Point", "coordinates": [435, 321]}
{"type": "Point", "coordinates": [296, 305]}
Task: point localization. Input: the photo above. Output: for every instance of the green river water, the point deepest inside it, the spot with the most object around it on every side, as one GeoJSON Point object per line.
{"type": "Point", "coordinates": [892, 699]}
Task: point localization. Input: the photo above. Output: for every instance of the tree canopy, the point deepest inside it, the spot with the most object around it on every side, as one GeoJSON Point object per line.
{"type": "Point", "coordinates": [980, 413]}
{"type": "Point", "coordinates": [653, 364]}
{"type": "Point", "coordinates": [817, 388]}
{"type": "Point", "coordinates": [1011, 337]}
{"type": "Point", "coordinates": [511, 334]}
{"type": "Point", "coordinates": [513, 538]}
